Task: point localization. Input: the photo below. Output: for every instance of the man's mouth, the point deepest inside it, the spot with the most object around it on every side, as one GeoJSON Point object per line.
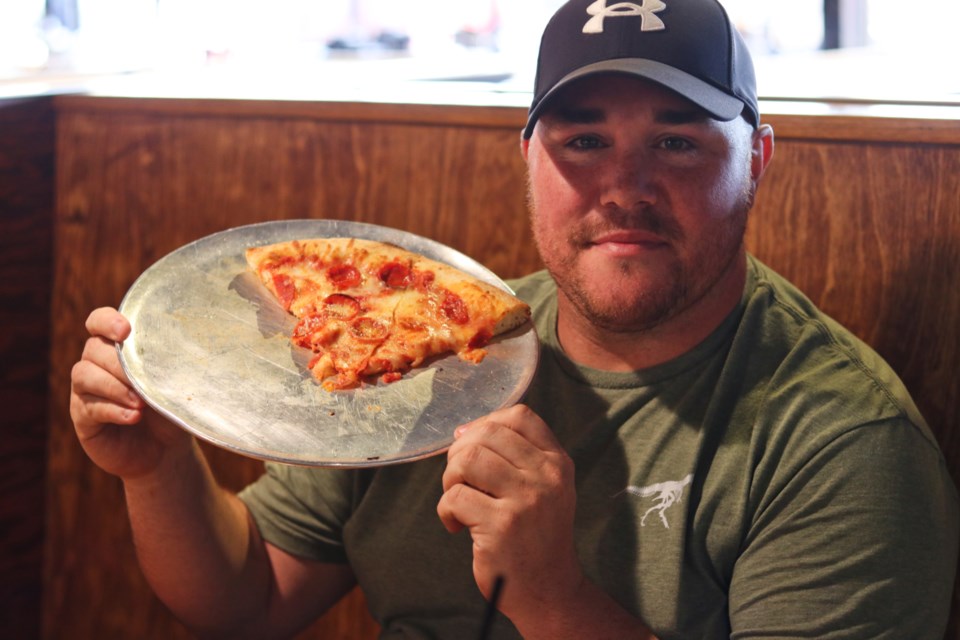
{"type": "Point", "coordinates": [627, 242]}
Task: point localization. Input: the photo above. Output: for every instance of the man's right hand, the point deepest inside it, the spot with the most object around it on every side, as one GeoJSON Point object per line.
{"type": "Point", "coordinates": [196, 542]}
{"type": "Point", "coordinates": [106, 411]}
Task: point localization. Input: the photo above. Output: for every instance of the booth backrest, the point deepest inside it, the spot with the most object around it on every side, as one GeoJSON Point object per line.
{"type": "Point", "coordinates": [861, 212]}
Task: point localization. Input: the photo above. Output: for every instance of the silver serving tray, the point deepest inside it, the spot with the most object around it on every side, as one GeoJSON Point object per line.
{"type": "Point", "coordinates": [210, 350]}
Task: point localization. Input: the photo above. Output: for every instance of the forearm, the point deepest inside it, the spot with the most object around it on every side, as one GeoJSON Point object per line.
{"type": "Point", "coordinates": [196, 544]}
{"type": "Point", "coordinates": [589, 612]}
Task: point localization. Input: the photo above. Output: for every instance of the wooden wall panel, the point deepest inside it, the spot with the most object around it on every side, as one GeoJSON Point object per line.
{"type": "Point", "coordinates": [871, 233]}
{"type": "Point", "coordinates": [870, 230]}
{"type": "Point", "coordinates": [135, 187]}
{"type": "Point", "coordinates": [26, 232]}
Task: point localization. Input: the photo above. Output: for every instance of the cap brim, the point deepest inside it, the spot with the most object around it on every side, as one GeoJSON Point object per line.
{"type": "Point", "coordinates": [718, 104]}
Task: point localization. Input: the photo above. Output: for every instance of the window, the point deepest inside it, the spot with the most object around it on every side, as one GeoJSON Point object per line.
{"type": "Point", "coordinates": [844, 49]}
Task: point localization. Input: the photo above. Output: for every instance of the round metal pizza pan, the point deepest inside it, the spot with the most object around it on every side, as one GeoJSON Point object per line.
{"type": "Point", "coordinates": [210, 350]}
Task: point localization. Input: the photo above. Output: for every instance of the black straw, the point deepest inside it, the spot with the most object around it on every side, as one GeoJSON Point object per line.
{"type": "Point", "coordinates": [491, 611]}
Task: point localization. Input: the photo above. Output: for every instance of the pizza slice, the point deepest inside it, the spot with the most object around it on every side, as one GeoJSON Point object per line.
{"type": "Point", "coordinates": [367, 308]}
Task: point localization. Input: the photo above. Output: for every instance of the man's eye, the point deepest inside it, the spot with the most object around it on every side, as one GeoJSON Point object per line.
{"type": "Point", "coordinates": [583, 143]}
{"type": "Point", "coordinates": [676, 144]}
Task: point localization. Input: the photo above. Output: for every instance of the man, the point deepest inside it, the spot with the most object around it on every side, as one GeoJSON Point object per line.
{"type": "Point", "coordinates": [702, 454]}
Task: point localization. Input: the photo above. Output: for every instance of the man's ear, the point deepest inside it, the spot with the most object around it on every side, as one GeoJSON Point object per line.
{"type": "Point", "coordinates": [762, 152]}
{"type": "Point", "coordinates": [524, 147]}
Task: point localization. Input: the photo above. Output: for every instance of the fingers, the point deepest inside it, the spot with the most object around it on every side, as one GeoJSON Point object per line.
{"type": "Point", "coordinates": [100, 390]}
{"type": "Point", "coordinates": [489, 458]}
{"type": "Point", "coordinates": [107, 327]}
{"type": "Point", "coordinates": [108, 323]}
{"type": "Point", "coordinates": [92, 379]}
{"type": "Point", "coordinates": [497, 452]}
{"type": "Point", "coordinates": [103, 353]}
{"type": "Point", "coordinates": [521, 419]}
{"type": "Point", "coordinates": [90, 412]}
{"type": "Point", "coordinates": [462, 507]}
{"type": "Point", "coordinates": [508, 458]}
{"type": "Point", "coordinates": [97, 397]}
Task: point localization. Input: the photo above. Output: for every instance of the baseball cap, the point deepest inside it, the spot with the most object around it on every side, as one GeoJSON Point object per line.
{"type": "Point", "coordinates": [688, 46]}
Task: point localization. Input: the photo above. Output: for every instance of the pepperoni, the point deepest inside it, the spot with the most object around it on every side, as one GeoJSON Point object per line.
{"type": "Point", "coordinates": [454, 308]}
{"type": "Point", "coordinates": [341, 306]}
{"type": "Point", "coordinates": [480, 340]}
{"type": "Point", "coordinates": [313, 331]}
{"type": "Point", "coordinates": [368, 329]}
{"type": "Point", "coordinates": [286, 290]}
{"type": "Point", "coordinates": [423, 279]}
{"type": "Point", "coordinates": [343, 276]}
{"type": "Point", "coordinates": [396, 275]}
{"type": "Point", "coordinates": [301, 333]}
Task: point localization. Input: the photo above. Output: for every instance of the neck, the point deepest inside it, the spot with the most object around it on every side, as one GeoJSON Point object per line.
{"type": "Point", "coordinates": [607, 350]}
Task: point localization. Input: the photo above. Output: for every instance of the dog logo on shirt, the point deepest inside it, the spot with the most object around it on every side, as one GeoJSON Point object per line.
{"type": "Point", "coordinates": [664, 494]}
{"type": "Point", "coordinates": [648, 21]}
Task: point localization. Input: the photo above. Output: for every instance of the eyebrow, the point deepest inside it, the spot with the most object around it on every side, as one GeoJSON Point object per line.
{"type": "Point", "coordinates": [574, 115]}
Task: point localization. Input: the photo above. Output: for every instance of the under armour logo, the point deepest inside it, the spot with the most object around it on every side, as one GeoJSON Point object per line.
{"type": "Point", "coordinates": [648, 21]}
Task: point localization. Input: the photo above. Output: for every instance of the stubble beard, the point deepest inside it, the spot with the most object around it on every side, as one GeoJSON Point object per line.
{"type": "Point", "coordinates": [683, 284]}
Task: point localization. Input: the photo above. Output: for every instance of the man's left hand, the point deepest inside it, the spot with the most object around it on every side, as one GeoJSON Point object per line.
{"type": "Point", "coordinates": [511, 484]}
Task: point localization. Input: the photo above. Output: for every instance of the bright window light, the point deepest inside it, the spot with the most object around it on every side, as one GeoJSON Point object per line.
{"type": "Point", "coordinates": [885, 52]}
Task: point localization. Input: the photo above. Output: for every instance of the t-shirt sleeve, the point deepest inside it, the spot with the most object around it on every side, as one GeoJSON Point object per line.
{"type": "Point", "coordinates": [862, 538]}
{"type": "Point", "coordinates": [303, 510]}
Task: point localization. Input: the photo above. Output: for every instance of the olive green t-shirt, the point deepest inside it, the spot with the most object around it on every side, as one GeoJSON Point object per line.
{"type": "Point", "coordinates": [775, 481]}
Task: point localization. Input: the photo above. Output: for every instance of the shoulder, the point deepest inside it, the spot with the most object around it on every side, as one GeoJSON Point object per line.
{"type": "Point", "coordinates": [535, 288]}
{"type": "Point", "coordinates": [817, 377]}
{"type": "Point", "coordinates": [540, 292]}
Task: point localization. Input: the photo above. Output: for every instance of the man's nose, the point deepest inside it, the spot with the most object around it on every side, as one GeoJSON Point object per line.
{"type": "Point", "coordinates": [630, 181]}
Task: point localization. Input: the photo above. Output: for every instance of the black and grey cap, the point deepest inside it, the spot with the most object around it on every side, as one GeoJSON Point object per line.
{"type": "Point", "coordinates": [689, 46]}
